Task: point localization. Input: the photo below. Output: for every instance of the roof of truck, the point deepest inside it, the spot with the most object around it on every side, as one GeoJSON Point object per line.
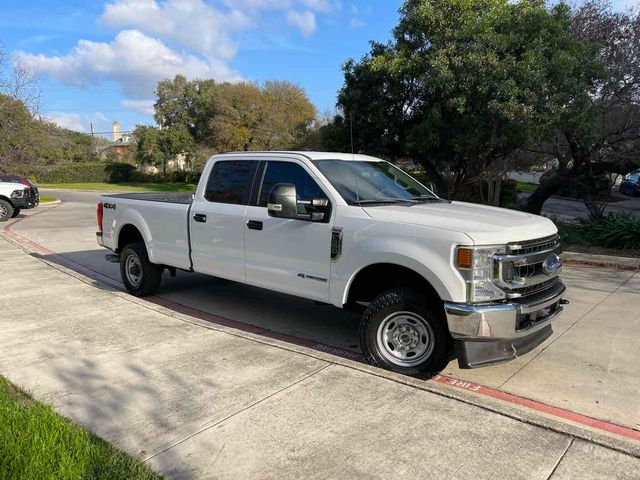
{"type": "Point", "coordinates": [316, 155]}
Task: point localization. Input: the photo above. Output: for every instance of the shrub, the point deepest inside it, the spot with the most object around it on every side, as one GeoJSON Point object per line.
{"type": "Point", "coordinates": [71, 173]}
{"type": "Point", "coordinates": [82, 173]}
{"type": "Point", "coordinates": [617, 231]}
{"type": "Point", "coordinates": [119, 172]}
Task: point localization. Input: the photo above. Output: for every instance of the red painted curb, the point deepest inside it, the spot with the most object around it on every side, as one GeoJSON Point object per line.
{"type": "Point", "coordinates": [219, 320]}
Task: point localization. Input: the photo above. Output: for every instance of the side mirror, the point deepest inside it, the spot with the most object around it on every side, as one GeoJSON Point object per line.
{"type": "Point", "coordinates": [283, 201]}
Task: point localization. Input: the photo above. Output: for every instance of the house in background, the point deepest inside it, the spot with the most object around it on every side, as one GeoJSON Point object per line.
{"type": "Point", "coordinates": [120, 143]}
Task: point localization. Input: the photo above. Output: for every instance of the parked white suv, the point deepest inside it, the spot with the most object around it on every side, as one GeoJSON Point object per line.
{"type": "Point", "coordinates": [432, 277]}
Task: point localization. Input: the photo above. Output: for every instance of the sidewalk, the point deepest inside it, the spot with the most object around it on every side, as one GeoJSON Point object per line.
{"type": "Point", "coordinates": [203, 401]}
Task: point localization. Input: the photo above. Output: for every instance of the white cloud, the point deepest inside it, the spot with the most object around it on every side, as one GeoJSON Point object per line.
{"type": "Point", "coordinates": [77, 122]}
{"type": "Point", "coordinates": [323, 6]}
{"type": "Point", "coordinates": [189, 23]}
{"type": "Point", "coordinates": [356, 22]}
{"type": "Point", "coordinates": [158, 39]}
{"type": "Point", "coordinates": [132, 59]}
{"type": "Point", "coordinates": [144, 106]}
{"type": "Point", "coordinates": [305, 21]}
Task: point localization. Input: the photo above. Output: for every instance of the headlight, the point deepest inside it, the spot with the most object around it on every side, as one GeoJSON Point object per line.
{"type": "Point", "coordinates": [18, 193]}
{"type": "Point", "coordinates": [476, 265]}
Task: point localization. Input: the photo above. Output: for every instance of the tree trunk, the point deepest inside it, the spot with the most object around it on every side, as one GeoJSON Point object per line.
{"type": "Point", "coordinates": [543, 192]}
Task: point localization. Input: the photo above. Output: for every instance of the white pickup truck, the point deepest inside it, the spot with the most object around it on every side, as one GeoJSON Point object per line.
{"type": "Point", "coordinates": [432, 278]}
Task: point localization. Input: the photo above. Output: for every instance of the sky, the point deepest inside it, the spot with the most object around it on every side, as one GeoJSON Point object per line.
{"type": "Point", "coordinates": [99, 61]}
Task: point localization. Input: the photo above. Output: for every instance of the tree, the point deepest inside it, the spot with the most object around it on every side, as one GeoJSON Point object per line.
{"type": "Point", "coordinates": [18, 83]}
{"type": "Point", "coordinates": [600, 134]}
{"type": "Point", "coordinates": [285, 116]}
{"type": "Point", "coordinates": [147, 146]}
{"type": "Point", "coordinates": [235, 117]}
{"type": "Point", "coordinates": [464, 84]}
{"type": "Point", "coordinates": [238, 116]}
{"type": "Point", "coordinates": [158, 147]}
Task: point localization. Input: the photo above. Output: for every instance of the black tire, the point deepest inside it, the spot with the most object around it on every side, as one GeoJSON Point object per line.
{"type": "Point", "coordinates": [403, 315]}
{"type": "Point", "coordinates": [6, 210]}
{"type": "Point", "coordinates": [16, 212]}
{"type": "Point", "coordinates": [148, 274]}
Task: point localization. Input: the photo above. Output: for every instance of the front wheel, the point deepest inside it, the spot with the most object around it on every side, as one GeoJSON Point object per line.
{"type": "Point", "coordinates": [16, 212]}
{"type": "Point", "coordinates": [139, 275]}
{"type": "Point", "coordinates": [6, 210]}
{"type": "Point", "coordinates": [401, 333]}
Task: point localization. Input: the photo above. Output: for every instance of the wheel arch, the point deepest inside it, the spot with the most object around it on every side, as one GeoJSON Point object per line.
{"type": "Point", "coordinates": [376, 278]}
{"type": "Point", "coordinates": [129, 233]}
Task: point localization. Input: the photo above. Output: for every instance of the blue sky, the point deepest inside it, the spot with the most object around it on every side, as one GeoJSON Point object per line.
{"type": "Point", "coordinates": [99, 61]}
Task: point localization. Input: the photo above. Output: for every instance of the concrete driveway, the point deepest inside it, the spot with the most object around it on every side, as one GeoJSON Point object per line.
{"type": "Point", "coordinates": [586, 370]}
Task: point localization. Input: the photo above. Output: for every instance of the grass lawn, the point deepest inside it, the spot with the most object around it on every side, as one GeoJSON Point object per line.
{"type": "Point", "coordinates": [47, 199]}
{"type": "Point", "coordinates": [525, 187]}
{"type": "Point", "coordinates": [121, 187]}
{"type": "Point", "coordinates": [37, 443]}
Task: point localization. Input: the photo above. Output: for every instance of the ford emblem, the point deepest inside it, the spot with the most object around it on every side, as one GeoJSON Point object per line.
{"type": "Point", "coordinates": [551, 264]}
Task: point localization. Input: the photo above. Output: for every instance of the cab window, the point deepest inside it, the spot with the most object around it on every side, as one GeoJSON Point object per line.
{"type": "Point", "coordinates": [230, 181]}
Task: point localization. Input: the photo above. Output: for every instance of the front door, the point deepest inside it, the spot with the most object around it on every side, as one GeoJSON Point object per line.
{"type": "Point", "coordinates": [288, 255]}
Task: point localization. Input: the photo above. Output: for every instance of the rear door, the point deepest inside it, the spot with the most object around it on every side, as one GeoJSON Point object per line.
{"type": "Point", "coordinates": [288, 255]}
{"type": "Point", "coordinates": [217, 219]}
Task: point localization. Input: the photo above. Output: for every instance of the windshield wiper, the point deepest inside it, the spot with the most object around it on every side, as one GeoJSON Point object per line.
{"type": "Point", "coordinates": [384, 201]}
{"type": "Point", "coordinates": [428, 198]}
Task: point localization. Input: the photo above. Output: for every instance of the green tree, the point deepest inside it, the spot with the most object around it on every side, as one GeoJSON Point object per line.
{"type": "Point", "coordinates": [285, 117]}
{"type": "Point", "coordinates": [464, 84]}
{"type": "Point", "coordinates": [147, 146]}
{"type": "Point", "coordinates": [597, 134]}
{"type": "Point", "coordinates": [238, 116]}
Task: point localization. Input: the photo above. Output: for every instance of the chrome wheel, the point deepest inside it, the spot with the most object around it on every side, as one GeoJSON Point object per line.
{"type": "Point", "coordinates": [133, 270]}
{"type": "Point", "coordinates": [405, 339]}
{"type": "Point", "coordinates": [3, 211]}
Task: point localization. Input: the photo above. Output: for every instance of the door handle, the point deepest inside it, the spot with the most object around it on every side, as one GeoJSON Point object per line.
{"type": "Point", "coordinates": [254, 225]}
{"type": "Point", "coordinates": [200, 217]}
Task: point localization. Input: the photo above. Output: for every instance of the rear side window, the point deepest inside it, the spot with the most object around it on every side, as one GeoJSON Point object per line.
{"type": "Point", "coordinates": [286, 172]}
{"type": "Point", "coordinates": [230, 182]}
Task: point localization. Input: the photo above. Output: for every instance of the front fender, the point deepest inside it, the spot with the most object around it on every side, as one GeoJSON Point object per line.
{"type": "Point", "coordinates": [427, 252]}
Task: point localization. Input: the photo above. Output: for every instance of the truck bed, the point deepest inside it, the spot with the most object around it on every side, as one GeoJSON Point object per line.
{"type": "Point", "coordinates": [184, 198]}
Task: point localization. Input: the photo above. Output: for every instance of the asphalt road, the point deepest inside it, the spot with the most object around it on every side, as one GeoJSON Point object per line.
{"type": "Point", "coordinates": [587, 366]}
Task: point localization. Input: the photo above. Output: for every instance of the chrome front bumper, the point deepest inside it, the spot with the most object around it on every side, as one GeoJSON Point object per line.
{"type": "Point", "coordinates": [495, 333]}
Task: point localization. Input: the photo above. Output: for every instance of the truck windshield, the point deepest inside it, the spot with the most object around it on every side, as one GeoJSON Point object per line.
{"type": "Point", "coordinates": [361, 182]}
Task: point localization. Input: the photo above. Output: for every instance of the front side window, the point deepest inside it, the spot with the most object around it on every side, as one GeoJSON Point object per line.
{"type": "Point", "coordinates": [285, 172]}
{"type": "Point", "coordinates": [370, 182]}
{"type": "Point", "coordinates": [230, 182]}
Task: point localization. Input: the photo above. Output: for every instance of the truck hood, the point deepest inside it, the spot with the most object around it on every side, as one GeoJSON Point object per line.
{"type": "Point", "coordinates": [485, 225]}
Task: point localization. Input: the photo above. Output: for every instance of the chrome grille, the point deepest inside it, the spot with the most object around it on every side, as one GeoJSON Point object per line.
{"type": "Point", "coordinates": [519, 271]}
{"type": "Point", "coordinates": [533, 246]}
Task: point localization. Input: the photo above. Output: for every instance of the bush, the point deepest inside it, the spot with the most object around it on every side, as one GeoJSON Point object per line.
{"type": "Point", "coordinates": [619, 231]}
{"type": "Point", "coordinates": [72, 173]}
{"type": "Point", "coordinates": [83, 173]}
{"type": "Point", "coordinates": [119, 172]}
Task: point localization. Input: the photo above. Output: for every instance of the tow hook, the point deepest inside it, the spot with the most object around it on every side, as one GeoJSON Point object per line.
{"type": "Point", "coordinates": [564, 301]}
{"type": "Point", "coordinates": [112, 258]}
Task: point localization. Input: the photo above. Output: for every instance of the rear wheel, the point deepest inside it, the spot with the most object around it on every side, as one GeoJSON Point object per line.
{"type": "Point", "coordinates": [6, 210]}
{"type": "Point", "coordinates": [16, 212]}
{"type": "Point", "coordinates": [400, 332]}
{"type": "Point", "coordinates": [139, 275]}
